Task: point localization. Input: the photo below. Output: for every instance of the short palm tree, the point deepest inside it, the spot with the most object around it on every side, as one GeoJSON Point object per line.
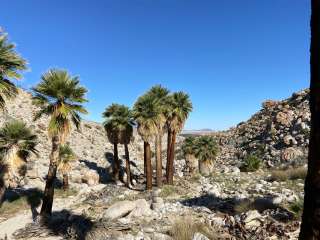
{"type": "Point", "coordinates": [178, 109]}
{"type": "Point", "coordinates": [119, 127]}
{"type": "Point", "coordinates": [160, 94]}
{"type": "Point", "coordinates": [66, 156]}
{"type": "Point", "coordinates": [147, 114]}
{"type": "Point", "coordinates": [206, 150]}
{"type": "Point", "coordinates": [11, 65]}
{"type": "Point", "coordinates": [189, 149]}
{"type": "Point", "coordinates": [17, 142]}
{"type": "Point", "coordinates": [60, 97]}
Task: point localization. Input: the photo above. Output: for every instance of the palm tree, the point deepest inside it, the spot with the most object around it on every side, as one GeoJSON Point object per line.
{"type": "Point", "coordinates": [206, 150]}
{"type": "Point", "coordinates": [66, 156]}
{"type": "Point", "coordinates": [310, 227]}
{"type": "Point", "coordinates": [189, 148]}
{"type": "Point", "coordinates": [11, 64]}
{"type": "Point", "coordinates": [179, 108]}
{"type": "Point", "coordinates": [160, 94]}
{"type": "Point", "coordinates": [119, 127]}
{"type": "Point", "coordinates": [146, 112]}
{"type": "Point", "coordinates": [59, 96]}
{"type": "Point", "coordinates": [17, 142]}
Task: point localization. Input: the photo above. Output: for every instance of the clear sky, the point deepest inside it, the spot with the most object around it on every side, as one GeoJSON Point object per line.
{"type": "Point", "coordinates": [229, 55]}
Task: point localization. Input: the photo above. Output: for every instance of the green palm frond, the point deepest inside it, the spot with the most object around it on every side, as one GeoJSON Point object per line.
{"type": "Point", "coordinates": [206, 148]}
{"type": "Point", "coordinates": [66, 156]}
{"type": "Point", "coordinates": [11, 66]}
{"type": "Point", "coordinates": [189, 145]}
{"type": "Point", "coordinates": [160, 95]}
{"type": "Point", "coordinates": [118, 123]}
{"type": "Point", "coordinates": [147, 114]}
{"type": "Point", "coordinates": [16, 134]}
{"type": "Point", "coordinates": [11, 63]}
{"type": "Point", "coordinates": [60, 96]}
{"type": "Point", "coordinates": [178, 109]}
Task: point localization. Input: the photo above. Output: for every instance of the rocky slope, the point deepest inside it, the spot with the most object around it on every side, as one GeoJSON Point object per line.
{"type": "Point", "coordinates": [278, 133]}
{"type": "Point", "coordinates": [228, 204]}
{"type": "Point", "coordinates": [91, 145]}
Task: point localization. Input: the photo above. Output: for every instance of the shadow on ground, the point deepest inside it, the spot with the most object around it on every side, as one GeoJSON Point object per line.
{"type": "Point", "coordinates": [63, 223]}
{"type": "Point", "coordinates": [234, 206]}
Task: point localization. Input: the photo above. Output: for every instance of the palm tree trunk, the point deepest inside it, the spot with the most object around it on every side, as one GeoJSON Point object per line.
{"type": "Point", "coordinates": [171, 158]}
{"type": "Point", "coordinates": [48, 195]}
{"type": "Point", "coordinates": [168, 154]}
{"type": "Point", "coordinates": [147, 151]}
{"type": "Point", "coordinates": [127, 164]}
{"type": "Point", "coordinates": [116, 170]}
{"type": "Point", "coordinates": [2, 191]}
{"type": "Point", "coordinates": [310, 227]}
{"type": "Point", "coordinates": [159, 160]}
{"type": "Point", "coordinates": [65, 182]}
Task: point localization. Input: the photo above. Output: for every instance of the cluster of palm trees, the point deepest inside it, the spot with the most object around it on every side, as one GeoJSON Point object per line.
{"type": "Point", "coordinates": [154, 113]}
{"type": "Point", "coordinates": [60, 97]}
{"type": "Point", "coordinates": [200, 153]}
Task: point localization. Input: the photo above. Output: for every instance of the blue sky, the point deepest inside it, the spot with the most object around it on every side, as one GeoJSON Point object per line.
{"type": "Point", "coordinates": [228, 55]}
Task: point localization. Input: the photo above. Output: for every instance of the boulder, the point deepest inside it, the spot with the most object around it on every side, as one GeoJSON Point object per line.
{"type": "Point", "coordinates": [119, 209]}
{"type": "Point", "coordinates": [90, 177]}
{"type": "Point", "coordinates": [290, 154]}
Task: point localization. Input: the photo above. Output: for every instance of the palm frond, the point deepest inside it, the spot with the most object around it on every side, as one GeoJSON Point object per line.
{"type": "Point", "coordinates": [59, 96]}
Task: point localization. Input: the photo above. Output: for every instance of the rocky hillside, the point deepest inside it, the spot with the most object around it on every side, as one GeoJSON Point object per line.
{"type": "Point", "coordinates": [278, 133]}
{"type": "Point", "coordinates": [90, 144]}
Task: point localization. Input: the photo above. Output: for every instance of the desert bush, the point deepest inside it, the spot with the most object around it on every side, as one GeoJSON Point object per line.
{"type": "Point", "coordinates": [297, 208]}
{"type": "Point", "coordinates": [184, 229]}
{"type": "Point", "coordinates": [251, 163]}
{"type": "Point", "coordinates": [289, 174]}
{"type": "Point", "coordinates": [167, 190]}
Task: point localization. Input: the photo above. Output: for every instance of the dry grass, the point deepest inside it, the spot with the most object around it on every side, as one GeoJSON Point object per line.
{"type": "Point", "coordinates": [184, 229]}
{"type": "Point", "coordinates": [18, 203]}
{"type": "Point", "coordinates": [289, 174]}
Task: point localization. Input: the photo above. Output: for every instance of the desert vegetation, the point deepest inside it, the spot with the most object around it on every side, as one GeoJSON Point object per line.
{"type": "Point", "coordinates": [243, 183]}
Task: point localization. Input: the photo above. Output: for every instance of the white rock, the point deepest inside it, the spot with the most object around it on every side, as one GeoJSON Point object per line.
{"type": "Point", "coordinates": [199, 236]}
{"type": "Point", "coordinates": [252, 215]}
{"type": "Point", "coordinates": [119, 209]}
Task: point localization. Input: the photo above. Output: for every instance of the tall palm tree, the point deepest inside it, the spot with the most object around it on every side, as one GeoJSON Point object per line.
{"type": "Point", "coordinates": [310, 227]}
{"type": "Point", "coordinates": [160, 94]}
{"type": "Point", "coordinates": [119, 127]}
{"type": "Point", "coordinates": [206, 150]}
{"type": "Point", "coordinates": [11, 65]}
{"type": "Point", "coordinates": [179, 108]}
{"type": "Point", "coordinates": [59, 96]}
{"type": "Point", "coordinates": [146, 113]}
{"type": "Point", "coordinates": [17, 142]}
{"type": "Point", "coordinates": [66, 156]}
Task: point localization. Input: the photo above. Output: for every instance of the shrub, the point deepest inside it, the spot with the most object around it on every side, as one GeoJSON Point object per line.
{"type": "Point", "coordinates": [251, 163]}
{"type": "Point", "coordinates": [167, 190]}
{"type": "Point", "coordinates": [184, 229]}
{"type": "Point", "coordinates": [289, 174]}
{"type": "Point", "coordinates": [297, 208]}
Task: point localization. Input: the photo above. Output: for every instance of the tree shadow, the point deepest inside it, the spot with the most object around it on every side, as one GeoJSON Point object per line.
{"type": "Point", "coordinates": [233, 206]}
{"type": "Point", "coordinates": [104, 175]}
{"type": "Point", "coordinates": [33, 197]}
{"type": "Point", "coordinates": [61, 223]}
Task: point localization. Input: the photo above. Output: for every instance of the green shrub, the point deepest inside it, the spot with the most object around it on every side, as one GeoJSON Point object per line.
{"type": "Point", "coordinates": [251, 163]}
{"type": "Point", "coordinates": [297, 208]}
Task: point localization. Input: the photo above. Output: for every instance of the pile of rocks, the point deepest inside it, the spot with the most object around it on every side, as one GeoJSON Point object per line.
{"type": "Point", "coordinates": [279, 133]}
